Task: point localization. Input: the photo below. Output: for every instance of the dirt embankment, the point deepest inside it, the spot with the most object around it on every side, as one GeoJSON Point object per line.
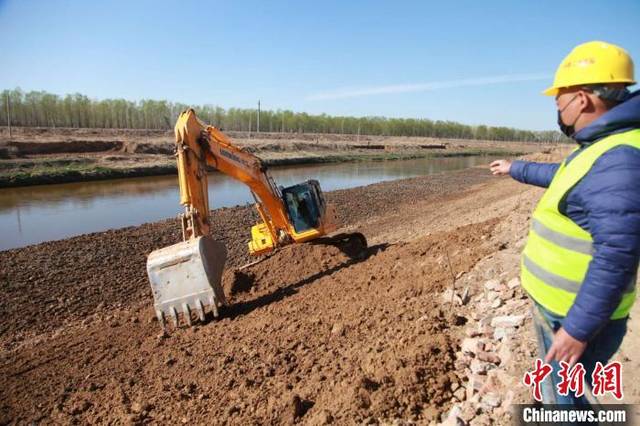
{"type": "Point", "coordinates": [68, 279]}
{"type": "Point", "coordinates": [321, 337]}
{"type": "Point", "coordinates": [39, 156]}
{"type": "Point", "coordinates": [311, 336]}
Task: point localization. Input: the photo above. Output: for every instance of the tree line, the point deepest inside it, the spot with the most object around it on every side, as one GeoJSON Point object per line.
{"type": "Point", "coordinates": [43, 109]}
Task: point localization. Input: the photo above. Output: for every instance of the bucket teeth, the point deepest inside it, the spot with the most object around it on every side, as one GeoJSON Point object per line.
{"type": "Point", "coordinates": [186, 308]}
{"type": "Point", "coordinates": [214, 306]}
{"type": "Point", "coordinates": [174, 316]}
{"type": "Point", "coordinates": [200, 309]}
{"type": "Point", "coordinates": [186, 312]}
{"type": "Point", "coordinates": [161, 319]}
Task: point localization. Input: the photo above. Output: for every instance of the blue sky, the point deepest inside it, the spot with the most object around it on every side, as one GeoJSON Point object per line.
{"type": "Point", "coordinates": [477, 62]}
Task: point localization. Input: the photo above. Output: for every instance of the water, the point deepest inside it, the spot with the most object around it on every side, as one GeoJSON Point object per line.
{"type": "Point", "coordinates": [30, 215]}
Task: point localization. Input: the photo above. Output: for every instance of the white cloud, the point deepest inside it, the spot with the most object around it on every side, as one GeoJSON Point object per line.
{"type": "Point", "coordinates": [425, 87]}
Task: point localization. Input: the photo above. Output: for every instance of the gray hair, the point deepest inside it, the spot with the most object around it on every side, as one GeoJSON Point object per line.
{"type": "Point", "coordinates": [609, 93]}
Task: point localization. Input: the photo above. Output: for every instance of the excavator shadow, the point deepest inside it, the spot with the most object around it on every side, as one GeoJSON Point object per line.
{"type": "Point", "coordinates": [245, 307]}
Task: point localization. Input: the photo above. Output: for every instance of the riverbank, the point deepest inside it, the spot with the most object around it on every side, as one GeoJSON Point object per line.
{"type": "Point", "coordinates": [78, 339]}
{"type": "Point", "coordinates": [46, 156]}
{"type": "Point", "coordinates": [45, 171]}
{"type": "Point", "coordinates": [311, 336]}
{"type": "Point", "coordinates": [80, 342]}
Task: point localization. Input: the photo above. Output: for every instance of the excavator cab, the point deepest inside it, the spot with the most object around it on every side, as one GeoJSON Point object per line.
{"type": "Point", "coordinates": [306, 212]}
{"type": "Point", "coordinates": [305, 205]}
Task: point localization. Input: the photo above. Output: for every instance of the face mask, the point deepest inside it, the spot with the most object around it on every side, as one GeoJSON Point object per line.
{"type": "Point", "coordinates": [568, 129]}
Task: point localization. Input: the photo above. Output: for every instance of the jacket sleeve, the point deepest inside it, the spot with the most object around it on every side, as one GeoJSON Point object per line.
{"type": "Point", "coordinates": [611, 200]}
{"type": "Point", "coordinates": [538, 174]}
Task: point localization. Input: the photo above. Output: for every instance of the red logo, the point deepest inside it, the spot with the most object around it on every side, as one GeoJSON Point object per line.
{"type": "Point", "coordinates": [607, 379]}
{"type": "Point", "coordinates": [571, 380]}
{"type": "Point", "coordinates": [534, 378]}
{"type": "Point", "coordinates": [603, 379]}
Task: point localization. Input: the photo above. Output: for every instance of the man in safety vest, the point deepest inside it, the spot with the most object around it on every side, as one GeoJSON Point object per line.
{"type": "Point", "coordinates": [580, 261]}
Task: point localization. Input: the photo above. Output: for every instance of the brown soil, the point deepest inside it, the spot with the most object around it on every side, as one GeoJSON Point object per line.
{"type": "Point", "coordinates": [69, 279]}
{"type": "Point", "coordinates": [310, 333]}
{"type": "Point", "coordinates": [47, 141]}
{"type": "Point", "coordinates": [35, 156]}
{"type": "Point", "coordinates": [320, 334]}
{"type": "Point", "coordinates": [312, 336]}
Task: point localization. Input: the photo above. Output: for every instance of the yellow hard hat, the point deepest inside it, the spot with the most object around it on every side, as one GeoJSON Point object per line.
{"type": "Point", "coordinates": [595, 62]}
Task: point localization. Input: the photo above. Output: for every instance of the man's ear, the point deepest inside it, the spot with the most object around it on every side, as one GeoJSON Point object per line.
{"type": "Point", "coordinates": [586, 102]}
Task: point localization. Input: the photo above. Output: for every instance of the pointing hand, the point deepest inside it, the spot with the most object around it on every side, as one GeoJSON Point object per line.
{"type": "Point", "coordinates": [500, 167]}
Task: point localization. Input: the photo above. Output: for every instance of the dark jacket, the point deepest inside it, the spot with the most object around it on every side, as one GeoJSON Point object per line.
{"type": "Point", "coordinates": [605, 203]}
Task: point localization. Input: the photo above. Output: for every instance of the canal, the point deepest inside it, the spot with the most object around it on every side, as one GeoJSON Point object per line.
{"type": "Point", "coordinates": [30, 215]}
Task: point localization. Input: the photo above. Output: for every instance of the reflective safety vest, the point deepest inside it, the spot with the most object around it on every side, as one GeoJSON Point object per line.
{"type": "Point", "coordinates": [558, 251]}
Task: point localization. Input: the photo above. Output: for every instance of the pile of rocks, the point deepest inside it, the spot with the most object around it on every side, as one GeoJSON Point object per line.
{"type": "Point", "coordinates": [498, 326]}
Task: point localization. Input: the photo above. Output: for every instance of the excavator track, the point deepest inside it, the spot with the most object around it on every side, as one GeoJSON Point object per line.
{"type": "Point", "coordinates": [353, 244]}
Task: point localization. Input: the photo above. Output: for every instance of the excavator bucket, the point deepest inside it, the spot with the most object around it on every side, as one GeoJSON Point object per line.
{"type": "Point", "coordinates": [186, 277]}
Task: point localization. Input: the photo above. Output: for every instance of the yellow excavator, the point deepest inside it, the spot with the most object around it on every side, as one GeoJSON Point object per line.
{"type": "Point", "coordinates": [186, 277]}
